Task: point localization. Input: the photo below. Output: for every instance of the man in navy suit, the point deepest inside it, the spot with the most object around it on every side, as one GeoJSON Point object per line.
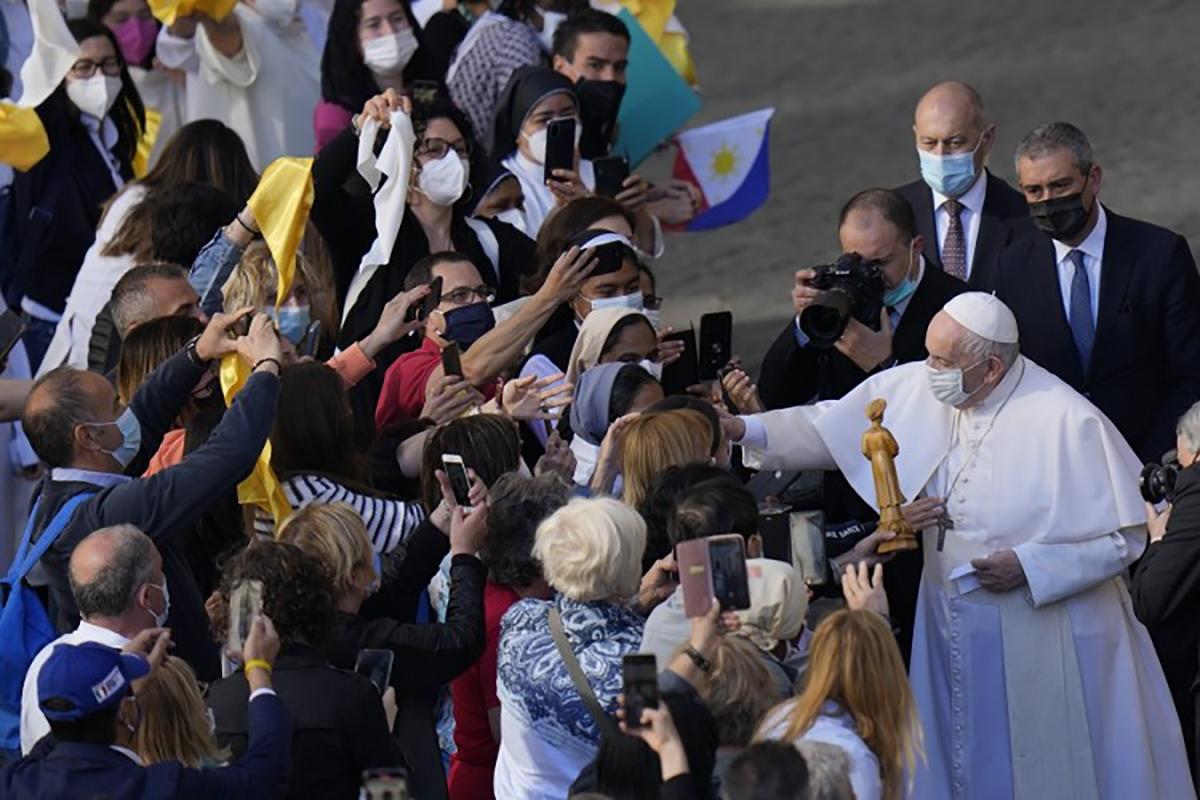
{"type": "Point", "coordinates": [965, 214]}
{"type": "Point", "coordinates": [1111, 305]}
{"type": "Point", "coordinates": [86, 693]}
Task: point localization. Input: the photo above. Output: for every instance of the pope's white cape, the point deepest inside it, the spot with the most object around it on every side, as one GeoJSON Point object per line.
{"type": "Point", "coordinates": [1051, 690]}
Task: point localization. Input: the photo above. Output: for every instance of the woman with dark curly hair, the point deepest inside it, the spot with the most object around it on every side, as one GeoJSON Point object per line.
{"type": "Point", "coordinates": [339, 727]}
{"type": "Point", "coordinates": [518, 506]}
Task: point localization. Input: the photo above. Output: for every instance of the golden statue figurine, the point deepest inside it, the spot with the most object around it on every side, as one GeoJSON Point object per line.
{"type": "Point", "coordinates": [881, 449]}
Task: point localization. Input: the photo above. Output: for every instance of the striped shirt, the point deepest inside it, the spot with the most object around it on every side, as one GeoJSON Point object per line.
{"type": "Point", "coordinates": [389, 521]}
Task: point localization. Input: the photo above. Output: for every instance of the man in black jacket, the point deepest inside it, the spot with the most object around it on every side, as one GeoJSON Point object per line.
{"type": "Point", "coordinates": [876, 224]}
{"type": "Point", "coordinates": [1166, 582]}
{"type": "Point", "coordinates": [965, 214]}
{"type": "Point", "coordinates": [75, 424]}
{"type": "Point", "coordinates": [1109, 304]}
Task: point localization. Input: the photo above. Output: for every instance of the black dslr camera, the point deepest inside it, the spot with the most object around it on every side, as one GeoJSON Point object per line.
{"type": "Point", "coordinates": [852, 287]}
{"type": "Point", "coordinates": [1157, 481]}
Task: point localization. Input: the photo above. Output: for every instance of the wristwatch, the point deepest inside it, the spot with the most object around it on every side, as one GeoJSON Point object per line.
{"type": "Point", "coordinates": [192, 355]}
{"type": "Point", "coordinates": [702, 663]}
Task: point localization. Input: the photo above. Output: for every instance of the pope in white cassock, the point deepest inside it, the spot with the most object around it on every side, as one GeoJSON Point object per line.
{"type": "Point", "coordinates": [1032, 677]}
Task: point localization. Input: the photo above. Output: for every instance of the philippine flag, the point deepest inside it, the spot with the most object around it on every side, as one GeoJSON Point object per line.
{"type": "Point", "coordinates": [729, 161]}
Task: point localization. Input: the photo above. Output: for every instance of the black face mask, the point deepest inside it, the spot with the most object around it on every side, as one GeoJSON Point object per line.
{"type": "Point", "coordinates": [599, 102]}
{"type": "Point", "coordinates": [1061, 218]}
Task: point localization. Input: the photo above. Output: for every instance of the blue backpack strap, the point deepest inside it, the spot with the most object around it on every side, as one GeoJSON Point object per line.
{"type": "Point", "coordinates": [22, 565]}
{"type": "Point", "coordinates": [23, 547]}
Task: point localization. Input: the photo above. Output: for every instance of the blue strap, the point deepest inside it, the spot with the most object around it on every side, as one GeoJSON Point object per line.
{"type": "Point", "coordinates": [23, 562]}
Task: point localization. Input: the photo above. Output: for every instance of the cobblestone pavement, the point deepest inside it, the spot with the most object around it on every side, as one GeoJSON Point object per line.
{"type": "Point", "coordinates": [844, 76]}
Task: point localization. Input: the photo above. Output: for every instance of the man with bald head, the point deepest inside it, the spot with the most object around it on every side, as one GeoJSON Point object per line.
{"type": "Point", "coordinates": [965, 214]}
{"type": "Point", "coordinates": [117, 581]}
{"type": "Point", "coordinates": [1031, 675]}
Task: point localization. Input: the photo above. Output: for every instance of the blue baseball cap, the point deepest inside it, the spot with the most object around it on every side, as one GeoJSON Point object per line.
{"type": "Point", "coordinates": [90, 676]}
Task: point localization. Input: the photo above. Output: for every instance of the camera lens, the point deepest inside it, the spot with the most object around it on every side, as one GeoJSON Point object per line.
{"type": "Point", "coordinates": [824, 321]}
{"type": "Point", "coordinates": [1157, 482]}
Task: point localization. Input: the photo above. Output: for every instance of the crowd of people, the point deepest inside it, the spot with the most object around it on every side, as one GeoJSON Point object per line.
{"type": "Point", "coordinates": [481, 463]}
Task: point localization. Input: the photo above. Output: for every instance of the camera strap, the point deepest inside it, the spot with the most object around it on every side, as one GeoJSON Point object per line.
{"type": "Point", "coordinates": [604, 721]}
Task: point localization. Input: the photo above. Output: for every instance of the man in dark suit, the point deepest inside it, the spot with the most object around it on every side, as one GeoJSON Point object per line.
{"type": "Point", "coordinates": [965, 214]}
{"type": "Point", "coordinates": [1111, 305]}
{"type": "Point", "coordinates": [86, 692]}
{"type": "Point", "coordinates": [877, 224]}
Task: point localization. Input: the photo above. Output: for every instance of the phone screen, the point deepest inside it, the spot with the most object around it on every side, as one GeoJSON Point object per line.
{"type": "Point", "coordinates": [11, 328]}
{"type": "Point", "coordinates": [639, 672]}
{"type": "Point", "coordinates": [730, 581]}
{"type": "Point", "coordinates": [452, 360]}
{"type": "Point", "coordinates": [375, 665]}
{"type": "Point", "coordinates": [245, 603]}
{"type": "Point", "coordinates": [611, 172]}
{"type": "Point", "coordinates": [716, 343]}
{"type": "Point", "coordinates": [456, 471]}
{"type": "Point", "coordinates": [677, 377]}
{"type": "Point", "coordinates": [560, 146]}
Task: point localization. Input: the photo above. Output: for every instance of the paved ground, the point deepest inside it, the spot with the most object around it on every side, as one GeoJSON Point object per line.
{"type": "Point", "coordinates": [844, 76]}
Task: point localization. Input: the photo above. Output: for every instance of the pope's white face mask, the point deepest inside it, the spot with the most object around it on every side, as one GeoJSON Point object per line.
{"type": "Point", "coordinates": [94, 95]}
{"type": "Point", "coordinates": [947, 384]}
{"type": "Point", "coordinates": [277, 12]}
{"type": "Point", "coordinates": [443, 180]}
{"type": "Point", "coordinates": [389, 55]}
{"type": "Point", "coordinates": [537, 142]}
{"type": "Point", "coordinates": [514, 217]}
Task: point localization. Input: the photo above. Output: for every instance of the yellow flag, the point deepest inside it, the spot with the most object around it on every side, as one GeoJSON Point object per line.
{"type": "Point", "coordinates": [657, 16]}
{"type": "Point", "coordinates": [261, 488]}
{"type": "Point", "coordinates": [23, 140]}
{"type": "Point", "coordinates": [280, 205]}
{"type": "Point", "coordinates": [141, 159]}
{"type": "Point", "coordinates": [167, 11]}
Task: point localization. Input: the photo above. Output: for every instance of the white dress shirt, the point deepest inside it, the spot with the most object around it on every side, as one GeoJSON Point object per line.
{"type": "Point", "coordinates": [33, 722]}
{"type": "Point", "coordinates": [969, 215]}
{"type": "Point", "coordinates": [1093, 257]}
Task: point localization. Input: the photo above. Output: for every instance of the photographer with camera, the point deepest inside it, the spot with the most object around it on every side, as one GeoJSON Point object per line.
{"type": "Point", "coordinates": [1166, 582]}
{"type": "Point", "coordinates": [865, 313]}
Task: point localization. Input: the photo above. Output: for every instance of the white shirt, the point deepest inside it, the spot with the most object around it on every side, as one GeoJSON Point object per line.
{"type": "Point", "coordinates": [1093, 257]}
{"type": "Point", "coordinates": [104, 136]}
{"type": "Point", "coordinates": [836, 727]}
{"type": "Point", "coordinates": [33, 723]}
{"type": "Point", "coordinates": [969, 215]}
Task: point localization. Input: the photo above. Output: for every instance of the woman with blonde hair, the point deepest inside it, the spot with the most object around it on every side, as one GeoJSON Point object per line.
{"type": "Point", "coordinates": [255, 281]}
{"type": "Point", "coordinates": [175, 725]}
{"type": "Point", "coordinates": [856, 696]}
{"type": "Point", "coordinates": [652, 442]}
{"type": "Point", "coordinates": [739, 692]}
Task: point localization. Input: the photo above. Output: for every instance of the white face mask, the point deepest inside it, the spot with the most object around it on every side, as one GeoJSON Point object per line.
{"type": "Point", "coordinates": [389, 55]}
{"type": "Point", "coordinates": [537, 142]}
{"type": "Point", "coordinates": [160, 619]}
{"type": "Point", "coordinates": [550, 22]}
{"type": "Point", "coordinates": [635, 301]}
{"type": "Point", "coordinates": [514, 217]}
{"type": "Point", "coordinates": [654, 315]}
{"type": "Point", "coordinates": [444, 180]}
{"type": "Point", "coordinates": [947, 384]}
{"type": "Point", "coordinates": [653, 367]}
{"type": "Point", "coordinates": [277, 12]}
{"type": "Point", "coordinates": [94, 95]}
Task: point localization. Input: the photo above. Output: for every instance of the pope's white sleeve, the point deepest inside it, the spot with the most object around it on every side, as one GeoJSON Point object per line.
{"type": "Point", "coordinates": [1064, 569]}
{"type": "Point", "coordinates": [786, 439]}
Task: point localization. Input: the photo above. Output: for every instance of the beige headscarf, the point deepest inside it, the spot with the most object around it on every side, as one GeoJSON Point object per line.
{"type": "Point", "coordinates": [592, 335]}
{"type": "Point", "coordinates": [778, 603]}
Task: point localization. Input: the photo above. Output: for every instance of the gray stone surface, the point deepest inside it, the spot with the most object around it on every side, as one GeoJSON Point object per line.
{"type": "Point", "coordinates": [844, 76]}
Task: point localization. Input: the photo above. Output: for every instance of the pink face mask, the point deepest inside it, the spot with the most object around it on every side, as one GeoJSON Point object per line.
{"type": "Point", "coordinates": [136, 37]}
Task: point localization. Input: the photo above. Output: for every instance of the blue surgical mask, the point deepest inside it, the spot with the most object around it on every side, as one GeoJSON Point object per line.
{"type": "Point", "coordinates": [636, 301]}
{"type": "Point", "coordinates": [292, 321]}
{"type": "Point", "coordinates": [131, 437]}
{"type": "Point", "coordinates": [465, 324]}
{"type": "Point", "coordinates": [901, 292]}
{"type": "Point", "coordinates": [950, 175]}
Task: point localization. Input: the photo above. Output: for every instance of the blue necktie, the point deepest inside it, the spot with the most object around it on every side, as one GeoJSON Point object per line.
{"type": "Point", "coordinates": [1083, 327]}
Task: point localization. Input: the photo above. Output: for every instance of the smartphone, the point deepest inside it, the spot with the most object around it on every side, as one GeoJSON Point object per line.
{"type": "Point", "coordinates": [456, 471]}
{"type": "Point", "coordinates": [376, 666]}
{"type": "Point", "coordinates": [560, 146]}
{"type": "Point", "coordinates": [716, 344]}
{"type": "Point", "coordinates": [385, 783]}
{"type": "Point", "coordinates": [312, 337]}
{"type": "Point", "coordinates": [11, 328]}
{"type": "Point", "coordinates": [245, 604]}
{"type": "Point", "coordinates": [639, 676]}
{"type": "Point", "coordinates": [421, 311]}
{"type": "Point", "coordinates": [611, 172]}
{"type": "Point", "coordinates": [713, 567]}
{"type": "Point", "coordinates": [807, 529]}
{"type": "Point", "coordinates": [685, 372]}
{"type": "Point", "coordinates": [452, 360]}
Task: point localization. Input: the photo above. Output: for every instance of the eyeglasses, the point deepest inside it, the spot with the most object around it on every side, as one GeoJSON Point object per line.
{"type": "Point", "coordinates": [437, 148]}
{"type": "Point", "coordinates": [652, 302]}
{"type": "Point", "coordinates": [85, 68]}
{"type": "Point", "coordinates": [465, 295]}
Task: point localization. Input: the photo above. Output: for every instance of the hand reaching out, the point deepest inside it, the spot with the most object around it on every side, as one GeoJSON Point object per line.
{"type": "Point", "coordinates": [863, 588]}
{"type": "Point", "coordinates": [392, 325]}
{"type": "Point", "coordinates": [558, 460]}
{"type": "Point", "coordinates": [381, 106]}
{"type": "Point", "coordinates": [567, 275]}
{"type": "Point", "coordinates": [530, 398]}
{"type": "Point", "coordinates": [450, 398]}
